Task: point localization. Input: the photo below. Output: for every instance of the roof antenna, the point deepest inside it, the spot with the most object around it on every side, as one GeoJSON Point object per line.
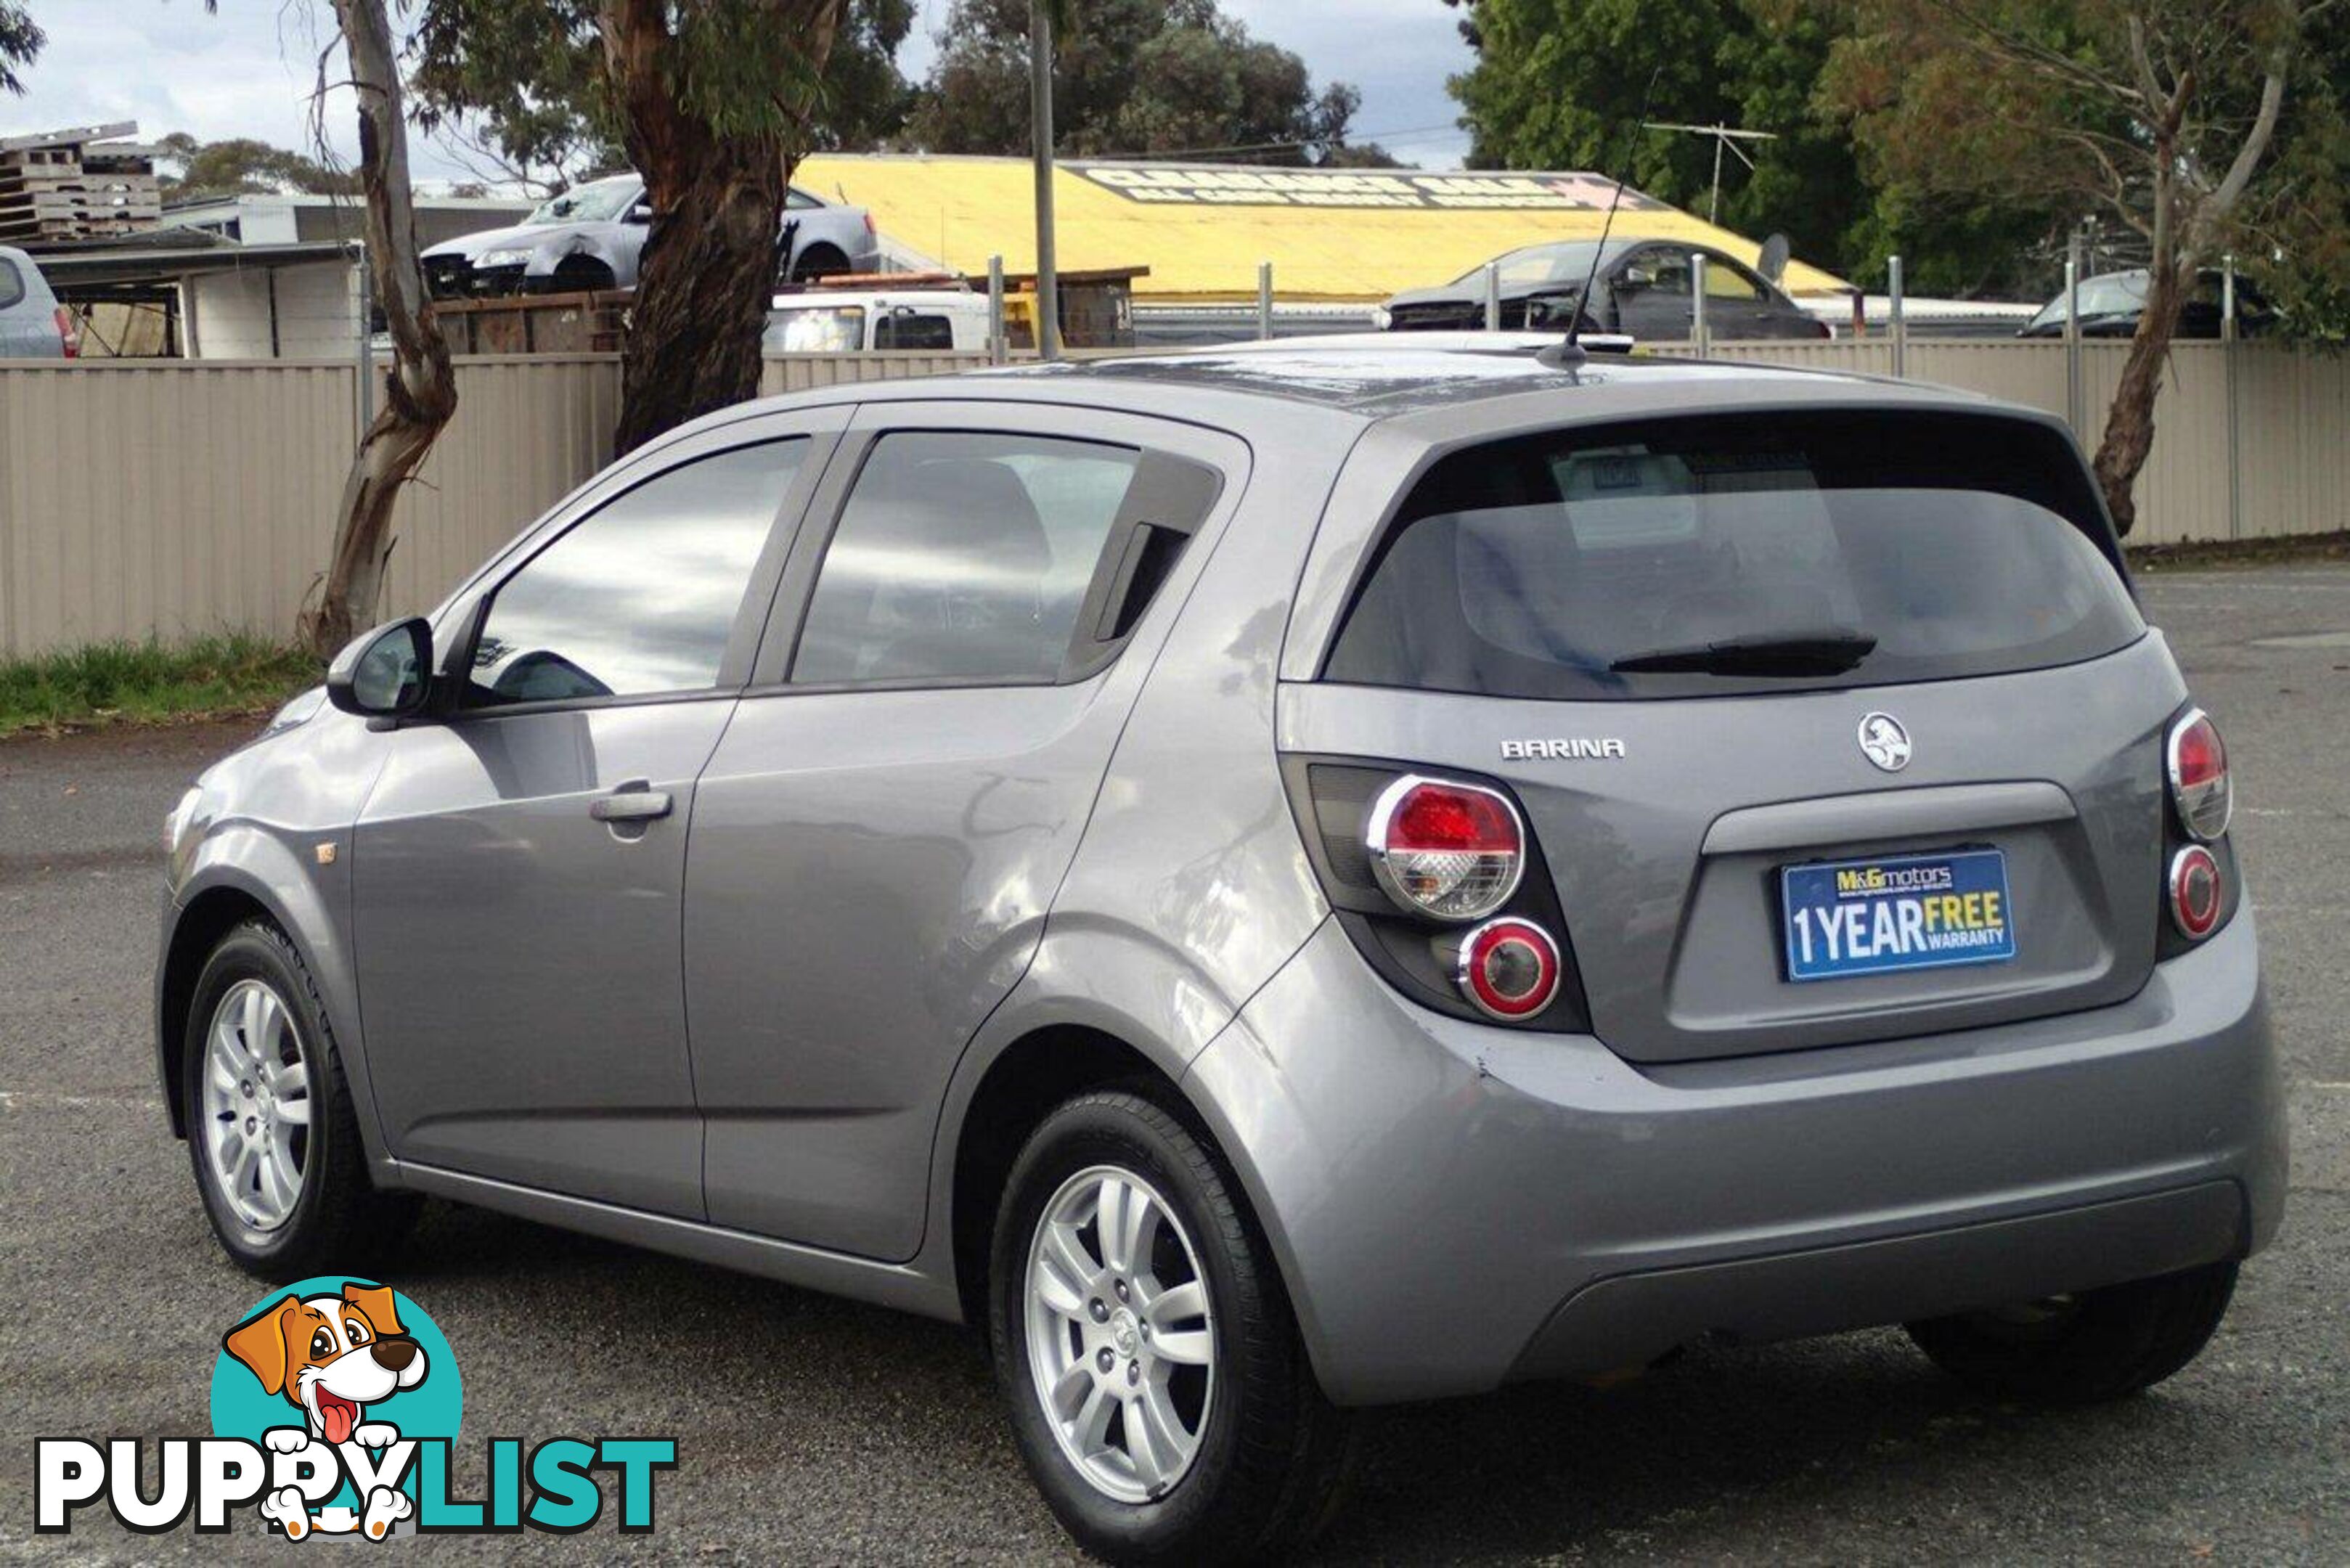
{"type": "Point", "coordinates": [1571, 354]}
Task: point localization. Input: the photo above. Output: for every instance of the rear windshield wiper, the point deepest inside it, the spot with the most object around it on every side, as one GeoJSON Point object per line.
{"type": "Point", "coordinates": [1828, 652]}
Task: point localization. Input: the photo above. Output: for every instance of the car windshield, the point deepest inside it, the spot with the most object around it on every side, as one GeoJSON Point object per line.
{"type": "Point", "coordinates": [2114, 294]}
{"type": "Point", "coordinates": [1737, 554]}
{"type": "Point", "coordinates": [597, 202]}
{"type": "Point", "coordinates": [1569, 260]}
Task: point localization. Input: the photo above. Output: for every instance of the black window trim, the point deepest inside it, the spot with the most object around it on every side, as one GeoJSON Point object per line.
{"type": "Point", "coordinates": [1086, 658]}
{"type": "Point", "coordinates": [820, 427]}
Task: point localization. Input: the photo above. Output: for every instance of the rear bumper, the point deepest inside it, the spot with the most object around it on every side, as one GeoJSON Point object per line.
{"type": "Point", "coordinates": [1455, 1206]}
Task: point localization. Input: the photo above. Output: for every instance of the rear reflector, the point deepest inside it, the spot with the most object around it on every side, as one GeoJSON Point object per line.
{"type": "Point", "coordinates": [1452, 850]}
{"type": "Point", "coordinates": [2197, 765]}
{"type": "Point", "coordinates": [1509, 969]}
{"type": "Point", "coordinates": [2195, 891]}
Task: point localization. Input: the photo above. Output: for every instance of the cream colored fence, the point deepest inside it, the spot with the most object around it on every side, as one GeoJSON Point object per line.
{"type": "Point", "coordinates": [2291, 441]}
{"type": "Point", "coordinates": [174, 499]}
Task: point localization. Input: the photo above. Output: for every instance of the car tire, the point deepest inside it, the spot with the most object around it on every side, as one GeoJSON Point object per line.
{"type": "Point", "coordinates": [817, 262]}
{"type": "Point", "coordinates": [2101, 1344]}
{"type": "Point", "coordinates": [1268, 1455]}
{"type": "Point", "coordinates": [268, 1109]}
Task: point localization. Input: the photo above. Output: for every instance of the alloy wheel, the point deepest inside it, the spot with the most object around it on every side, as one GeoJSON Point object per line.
{"type": "Point", "coordinates": [1121, 1334]}
{"type": "Point", "coordinates": [257, 1105]}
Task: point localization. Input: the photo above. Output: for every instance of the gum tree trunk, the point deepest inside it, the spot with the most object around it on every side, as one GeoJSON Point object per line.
{"type": "Point", "coordinates": [2130, 424]}
{"type": "Point", "coordinates": [717, 194]}
{"type": "Point", "coordinates": [421, 393]}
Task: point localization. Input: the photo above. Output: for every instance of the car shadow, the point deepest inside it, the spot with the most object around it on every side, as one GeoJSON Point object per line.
{"type": "Point", "coordinates": [1853, 1446]}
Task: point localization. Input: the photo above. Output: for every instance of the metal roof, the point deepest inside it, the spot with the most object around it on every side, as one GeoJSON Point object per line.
{"type": "Point", "coordinates": [1202, 228]}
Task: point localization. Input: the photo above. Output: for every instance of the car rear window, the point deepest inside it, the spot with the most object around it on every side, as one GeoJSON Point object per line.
{"type": "Point", "coordinates": [1720, 555]}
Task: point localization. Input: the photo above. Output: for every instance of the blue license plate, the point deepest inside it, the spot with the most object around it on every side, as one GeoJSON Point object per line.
{"type": "Point", "coordinates": [1848, 917]}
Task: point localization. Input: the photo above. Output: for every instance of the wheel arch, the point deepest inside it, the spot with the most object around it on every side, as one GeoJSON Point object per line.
{"type": "Point", "coordinates": [201, 924]}
{"type": "Point", "coordinates": [241, 872]}
{"type": "Point", "coordinates": [1020, 1086]}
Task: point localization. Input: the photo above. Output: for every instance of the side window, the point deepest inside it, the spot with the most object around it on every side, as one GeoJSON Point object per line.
{"type": "Point", "coordinates": [798, 201]}
{"type": "Point", "coordinates": [12, 283]}
{"type": "Point", "coordinates": [639, 596]}
{"type": "Point", "coordinates": [908, 330]}
{"type": "Point", "coordinates": [1669, 273]}
{"type": "Point", "coordinates": [962, 556]}
{"type": "Point", "coordinates": [1727, 280]}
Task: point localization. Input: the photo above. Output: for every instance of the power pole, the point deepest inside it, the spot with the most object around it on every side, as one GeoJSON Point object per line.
{"type": "Point", "coordinates": [1040, 110]}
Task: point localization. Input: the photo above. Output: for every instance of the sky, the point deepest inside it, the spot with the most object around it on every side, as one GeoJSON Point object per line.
{"type": "Point", "coordinates": [248, 69]}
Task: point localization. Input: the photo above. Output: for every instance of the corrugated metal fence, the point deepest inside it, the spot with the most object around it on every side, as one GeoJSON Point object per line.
{"type": "Point", "coordinates": [174, 499]}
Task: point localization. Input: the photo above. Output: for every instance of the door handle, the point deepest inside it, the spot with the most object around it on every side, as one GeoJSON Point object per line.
{"type": "Point", "coordinates": [636, 800]}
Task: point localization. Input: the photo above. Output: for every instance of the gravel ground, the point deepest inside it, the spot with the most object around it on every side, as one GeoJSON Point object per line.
{"type": "Point", "coordinates": [814, 1431]}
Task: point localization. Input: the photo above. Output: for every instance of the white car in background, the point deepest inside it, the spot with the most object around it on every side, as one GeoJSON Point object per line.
{"type": "Point", "coordinates": [591, 237]}
{"type": "Point", "coordinates": [845, 321]}
{"type": "Point", "coordinates": [33, 325]}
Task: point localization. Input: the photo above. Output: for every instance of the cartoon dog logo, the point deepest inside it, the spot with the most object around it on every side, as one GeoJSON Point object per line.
{"type": "Point", "coordinates": [331, 1356]}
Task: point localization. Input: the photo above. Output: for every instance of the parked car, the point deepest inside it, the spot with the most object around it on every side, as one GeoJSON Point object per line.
{"type": "Point", "coordinates": [2111, 303]}
{"type": "Point", "coordinates": [842, 321]}
{"type": "Point", "coordinates": [33, 325]}
{"type": "Point", "coordinates": [1277, 881]}
{"type": "Point", "coordinates": [591, 235]}
{"type": "Point", "coordinates": [1644, 290]}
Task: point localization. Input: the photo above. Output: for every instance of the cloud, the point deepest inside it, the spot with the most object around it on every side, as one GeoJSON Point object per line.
{"type": "Point", "coordinates": [250, 69]}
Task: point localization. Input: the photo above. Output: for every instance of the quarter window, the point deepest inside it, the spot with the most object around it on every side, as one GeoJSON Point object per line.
{"type": "Point", "coordinates": [1723, 281]}
{"type": "Point", "coordinates": [962, 557]}
{"type": "Point", "coordinates": [639, 596]}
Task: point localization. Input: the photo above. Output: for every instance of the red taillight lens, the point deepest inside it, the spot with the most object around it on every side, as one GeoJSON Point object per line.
{"type": "Point", "coordinates": [1452, 850]}
{"type": "Point", "coordinates": [2197, 764]}
{"type": "Point", "coordinates": [1509, 969]}
{"type": "Point", "coordinates": [2196, 893]}
{"type": "Point", "coordinates": [68, 331]}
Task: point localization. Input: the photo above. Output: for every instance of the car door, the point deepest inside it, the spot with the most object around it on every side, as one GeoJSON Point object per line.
{"type": "Point", "coordinates": [880, 837]}
{"type": "Point", "coordinates": [1651, 292]}
{"type": "Point", "coordinates": [519, 866]}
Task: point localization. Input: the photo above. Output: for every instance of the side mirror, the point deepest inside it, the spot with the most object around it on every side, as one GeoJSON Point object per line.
{"type": "Point", "coordinates": [385, 674]}
{"type": "Point", "coordinates": [638, 213]}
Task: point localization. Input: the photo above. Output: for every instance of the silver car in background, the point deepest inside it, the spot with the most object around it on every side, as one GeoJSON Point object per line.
{"type": "Point", "coordinates": [33, 325]}
{"type": "Point", "coordinates": [1277, 880]}
{"type": "Point", "coordinates": [591, 236]}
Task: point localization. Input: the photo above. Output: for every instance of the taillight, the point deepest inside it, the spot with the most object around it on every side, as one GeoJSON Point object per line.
{"type": "Point", "coordinates": [2197, 765]}
{"type": "Point", "coordinates": [1454, 851]}
{"type": "Point", "coordinates": [68, 331]}
{"type": "Point", "coordinates": [1509, 969]}
{"type": "Point", "coordinates": [1441, 887]}
{"type": "Point", "coordinates": [2197, 896]}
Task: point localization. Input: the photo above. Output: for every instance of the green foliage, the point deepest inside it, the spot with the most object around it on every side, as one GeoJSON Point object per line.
{"type": "Point", "coordinates": [2002, 106]}
{"type": "Point", "coordinates": [245, 166]}
{"type": "Point", "coordinates": [1134, 77]}
{"type": "Point", "coordinates": [1559, 84]}
{"type": "Point", "coordinates": [145, 682]}
{"type": "Point", "coordinates": [526, 80]}
{"type": "Point", "coordinates": [20, 41]}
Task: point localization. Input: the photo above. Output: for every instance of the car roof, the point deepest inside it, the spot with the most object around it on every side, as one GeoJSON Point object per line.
{"type": "Point", "coordinates": [1381, 376]}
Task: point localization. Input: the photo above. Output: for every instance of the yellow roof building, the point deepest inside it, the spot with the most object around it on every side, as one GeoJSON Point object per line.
{"type": "Point", "coordinates": [1335, 235]}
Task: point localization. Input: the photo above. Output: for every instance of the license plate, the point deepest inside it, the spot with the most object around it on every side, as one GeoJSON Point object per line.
{"type": "Point", "coordinates": [1847, 918]}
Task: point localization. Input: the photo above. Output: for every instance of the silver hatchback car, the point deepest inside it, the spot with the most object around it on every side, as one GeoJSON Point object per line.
{"type": "Point", "coordinates": [1277, 881]}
